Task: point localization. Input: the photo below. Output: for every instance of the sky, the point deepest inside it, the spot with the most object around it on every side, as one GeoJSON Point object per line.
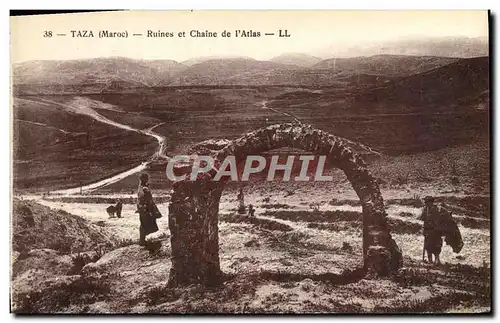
{"type": "Point", "coordinates": [310, 32]}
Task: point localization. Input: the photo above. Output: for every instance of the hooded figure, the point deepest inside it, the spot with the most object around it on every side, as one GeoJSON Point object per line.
{"type": "Point", "coordinates": [433, 242]}
{"type": "Point", "coordinates": [146, 209]}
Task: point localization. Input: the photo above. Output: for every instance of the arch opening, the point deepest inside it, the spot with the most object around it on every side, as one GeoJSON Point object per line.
{"type": "Point", "coordinates": [194, 207]}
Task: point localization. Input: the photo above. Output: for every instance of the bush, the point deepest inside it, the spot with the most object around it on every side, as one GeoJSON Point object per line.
{"type": "Point", "coordinates": [81, 259]}
{"type": "Point", "coordinates": [407, 277]}
{"type": "Point", "coordinates": [58, 297]}
{"type": "Point", "coordinates": [435, 304]}
{"type": "Point", "coordinates": [473, 223]}
{"type": "Point", "coordinates": [406, 214]}
{"type": "Point", "coordinates": [277, 206]}
{"type": "Point", "coordinates": [161, 294]}
{"type": "Point", "coordinates": [405, 227]}
{"type": "Point", "coordinates": [401, 178]}
{"type": "Point", "coordinates": [314, 207]}
{"type": "Point", "coordinates": [414, 202]}
{"type": "Point", "coordinates": [125, 243]}
{"type": "Point", "coordinates": [421, 176]}
{"type": "Point", "coordinates": [336, 202]}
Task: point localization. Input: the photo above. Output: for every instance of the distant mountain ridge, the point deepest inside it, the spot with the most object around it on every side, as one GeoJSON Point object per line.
{"type": "Point", "coordinates": [386, 65]}
{"type": "Point", "coordinates": [294, 69]}
{"type": "Point", "coordinates": [459, 47]}
{"type": "Point", "coordinates": [232, 71]}
{"type": "Point", "coordinates": [298, 59]}
{"type": "Point", "coordinates": [202, 59]}
{"type": "Point", "coordinates": [98, 70]}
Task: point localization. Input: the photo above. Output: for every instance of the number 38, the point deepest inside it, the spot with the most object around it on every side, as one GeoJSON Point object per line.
{"type": "Point", "coordinates": [47, 33]}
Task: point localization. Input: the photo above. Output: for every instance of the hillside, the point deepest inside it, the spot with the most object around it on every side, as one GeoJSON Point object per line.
{"type": "Point", "coordinates": [231, 71]}
{"type": "Point", "coordinates": [49, 249]}
{"type": "Point", "coordinates": [443, 107]}
{"type": "Point", "coordinates": [55, 145]}
{"type": "Point", "coordinates": [466, 79]}
{"type": "Point", "coordinates": [203, 59]}
{"type": "Point", "coordinates": [384, 65]}
{"type": "Point", "coordinates": [298, 59]}
{"type": "Point", "coordinates": [102, 73]}
{"type": "Point", "coordinates": [165, 69]}
{"type": "Point", "coordinates": [291, 70]}
{"type": "Point", "coordinates": [35, 226]}
{"type": "Point", "coordinates": [123, 74]}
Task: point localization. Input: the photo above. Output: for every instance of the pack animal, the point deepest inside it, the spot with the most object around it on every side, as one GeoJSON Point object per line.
{"type": "Point", "coordinates": [115, 209]}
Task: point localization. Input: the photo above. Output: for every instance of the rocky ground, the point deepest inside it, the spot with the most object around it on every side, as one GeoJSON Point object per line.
{"type": "Point", "coordinates": [298, 255]}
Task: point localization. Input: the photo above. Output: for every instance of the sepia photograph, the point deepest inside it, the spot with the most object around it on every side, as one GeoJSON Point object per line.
{"type": "Point", "coordinates": [251, 162]}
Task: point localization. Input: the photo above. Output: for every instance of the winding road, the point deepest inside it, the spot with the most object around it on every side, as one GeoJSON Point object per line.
{"type": "Point", "coordinates": [81, 108]}
{"type": "Point", "coordinates": [295, 118]}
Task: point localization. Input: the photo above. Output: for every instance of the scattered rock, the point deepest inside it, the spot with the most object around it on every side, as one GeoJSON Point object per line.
{"type": "Point", "coordinates": [46, 253]}
{"type": "Point", "coordinates": [156, 236]}
{"type": "Point", "coordinates": [406, 214]}
{"type": "Point", "coordinates": [252, 243]}
{"type": "Point", "coordinates": [307, 285]}
{"type": "Point", "coordinates": [286, 262]}
{"type": "Point", "coordinates": [346, 247]}
{"type": "Point", "coordinates": [27, 215]}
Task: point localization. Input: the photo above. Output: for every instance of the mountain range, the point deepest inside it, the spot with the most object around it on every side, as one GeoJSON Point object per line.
{"type": "Point", "coordinates": [293, 69]}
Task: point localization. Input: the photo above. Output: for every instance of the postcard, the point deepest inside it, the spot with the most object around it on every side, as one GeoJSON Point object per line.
{"type": "Point", "coordinates": [251, 162]}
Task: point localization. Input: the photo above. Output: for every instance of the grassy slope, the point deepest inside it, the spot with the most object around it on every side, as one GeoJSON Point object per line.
{"type": "Point", "coordinates": [37, 227]}
{"type": "Point", "coordinates": [47, 158]}
{"type": "Point", "coordinates": [193, 115]}
{"type": "Point", "coordinates": [406, 114]}
{"type": "Point", "coordinates": [45, 245]}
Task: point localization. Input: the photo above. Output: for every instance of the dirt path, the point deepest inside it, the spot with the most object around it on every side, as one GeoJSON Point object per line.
{"type": "Point", "coordinates": [296, 119]}
{"type": "Point", "coordinates": [162, 146]}
{"type": "Point", "coordinates": [264, 106]}
{"type": "Point", "coordinates": [88, 111]}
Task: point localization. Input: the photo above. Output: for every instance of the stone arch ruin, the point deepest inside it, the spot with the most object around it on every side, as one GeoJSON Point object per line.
{"type": "Point", "coordinates": [194, 206]}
